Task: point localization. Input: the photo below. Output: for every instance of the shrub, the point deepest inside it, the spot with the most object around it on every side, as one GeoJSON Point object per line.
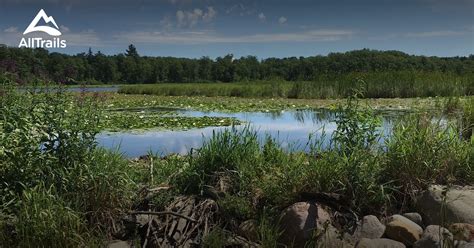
{"type": "Point", "coordinates": [48, 157]}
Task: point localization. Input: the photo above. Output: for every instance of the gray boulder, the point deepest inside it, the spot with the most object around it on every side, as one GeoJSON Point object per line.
{"type": "Point", "coordinates": [379, 243]}
{"type": "Point", "coordinates": [434, 236]}
{"type": "Point", "coordinates": [415, 217]}
{"type": "Point", "coordinates": [300, 221]}
{"type": "Point", "coordinates": [369, 227]}
{"type": "Point", "coordinates": [462, 231]}
{"type": "Point", "coordinates": [330, 237]}
{"type": "Point", "coordinates": [457, 204]}
{"type": "Point", "coordinates": [467, 245]}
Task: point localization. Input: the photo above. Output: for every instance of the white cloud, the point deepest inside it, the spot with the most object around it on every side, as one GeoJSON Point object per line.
{"type": "Point", "coordinates": [208, 37]}
{"type": "Point", "coordinates": [241, 10]}
{"type": "Point", "coordinates": [435, 33]}
{"type": "Point", "coordinates": [210, 14]}
{"type": "Point", "coordinates": [64, 29]}
{"type": "Point", "coordinates": [192, 18]}
{"type": "Point", "coordinates": [262, 17]}
{"type": "Point", "coordinates": [180, 1]}
{"type": "Point", "coordinates": [84, 38]}
{"type": "Point", "coordinates": [236, 7]}
{"type": "Point", "coordinates": [11, 30]}
{"type": "Point", "coordinates": [166, 23]}
{"type": "Point", "coordinates": [282, 20]}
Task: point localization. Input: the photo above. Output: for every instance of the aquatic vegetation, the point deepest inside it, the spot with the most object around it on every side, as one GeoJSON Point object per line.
{"type": "Point", "coordinates": [237, 104]}
{"type": "Point", "coordinates": [124, 120]}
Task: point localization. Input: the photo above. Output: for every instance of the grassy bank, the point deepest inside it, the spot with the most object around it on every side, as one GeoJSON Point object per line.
{"type": "Point", "coordinates": [59, 190]}
{"type": "Point", "coordinates": [375, 85]}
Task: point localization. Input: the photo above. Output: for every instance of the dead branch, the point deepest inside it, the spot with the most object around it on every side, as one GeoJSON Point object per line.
{"type": "Point", "coordinates": [163, 213]}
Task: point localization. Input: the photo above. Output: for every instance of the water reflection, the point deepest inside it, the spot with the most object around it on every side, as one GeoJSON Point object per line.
{"type": "Point", "coordinates": [291, 128]}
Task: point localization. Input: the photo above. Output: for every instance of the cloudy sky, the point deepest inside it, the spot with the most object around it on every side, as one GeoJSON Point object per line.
{"type": "Point", "coordinates": [265, 28]}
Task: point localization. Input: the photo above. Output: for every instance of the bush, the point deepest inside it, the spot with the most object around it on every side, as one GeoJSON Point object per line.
{"type": "Point", "coordinates": [49, 165]}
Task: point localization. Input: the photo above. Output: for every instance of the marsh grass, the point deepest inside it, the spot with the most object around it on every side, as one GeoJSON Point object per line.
{"type": "Point", "coordinates": [45, 219]}
{"type": "Point", "coordinates": [260, 89]}
{"type": "Point", "coordinates": [403, 84]}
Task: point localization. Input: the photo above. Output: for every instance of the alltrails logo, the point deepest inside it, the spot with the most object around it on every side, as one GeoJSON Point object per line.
{"type": "Point", "coordinates": [39, 42]}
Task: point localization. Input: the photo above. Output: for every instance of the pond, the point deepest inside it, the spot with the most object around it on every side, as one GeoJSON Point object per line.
{"type": "Point", "coordinates": [292, 129]}
{"type": "Point", "coordinates": [112, 88]}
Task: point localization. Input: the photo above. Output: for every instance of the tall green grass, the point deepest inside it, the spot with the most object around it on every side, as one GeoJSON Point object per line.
{"type": "Point", "coordinates": [260, 89]}
{"type": "Point", "coordinates": [402, 84]}
{"type": "Point", "coordinates": [57, 188]}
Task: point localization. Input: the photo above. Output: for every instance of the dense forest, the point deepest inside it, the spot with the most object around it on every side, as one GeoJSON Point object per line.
{"type": "Point", "coordinates": [29, 65]}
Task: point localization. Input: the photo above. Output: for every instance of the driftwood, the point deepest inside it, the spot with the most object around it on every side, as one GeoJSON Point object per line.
{"type": "Point", "coordinates": [184, 223]}
{"type": "Point", "coordinates": [163, 213]}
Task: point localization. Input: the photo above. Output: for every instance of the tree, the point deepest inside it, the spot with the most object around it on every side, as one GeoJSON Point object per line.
{"type": "Point", "coordinates": [26, 65]}
{"type": "Point", "coordinates": [132, 52]}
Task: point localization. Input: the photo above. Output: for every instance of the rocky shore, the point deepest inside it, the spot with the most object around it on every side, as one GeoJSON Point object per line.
{"type": "Point", "coordinates": [444, 217]}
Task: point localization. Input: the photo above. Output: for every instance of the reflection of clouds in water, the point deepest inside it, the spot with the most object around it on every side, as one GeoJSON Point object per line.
{"type": "Point", "coordinates": [291, 129]}
{"type": "Point", "coordinates": [161, 142]}
{"type": "Point", "coordinates": [293, 137]}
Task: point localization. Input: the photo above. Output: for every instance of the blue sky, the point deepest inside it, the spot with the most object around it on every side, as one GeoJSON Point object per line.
{"type": "Point", "coordinates": [278, 28]}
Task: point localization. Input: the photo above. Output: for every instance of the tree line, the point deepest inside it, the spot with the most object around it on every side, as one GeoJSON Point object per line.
{"type": "Point", "coordinates": [27, 65]}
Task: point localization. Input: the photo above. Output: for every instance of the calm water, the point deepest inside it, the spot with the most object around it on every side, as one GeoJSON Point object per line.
{"type": "Point", "coordinates": [112, 88]}
{"type": "Point", "coordinates": [291, 128]}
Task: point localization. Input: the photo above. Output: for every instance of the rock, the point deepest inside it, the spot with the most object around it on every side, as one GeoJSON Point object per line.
{"type": "Point", "coordinates": [369, 227]}
{"type": "Point", "coordinates": [401, 229]}
{"type": "Point", "coordinates": [434, 236]}
{"type": "Point", "coordinates": [459, 243]}
{"type": "Point", "coordinates": [465, 244]}
{"type": "Point", "coordinates": [143, 219]}
{"type": "Point", "coordinates": [249, 230]}
{"type": "Point", "coordinates": [463, 231]}
{"type": "Point", "coordinates": [415, 217]}
{"type": "Point", "coordinates": [458, 205]}
{"type": "Point", "coordinates": [235, 241]}
{"type": "Point", "coordinates": [377, 243]}
{"type": "Point", "coordinates": [331, 238]}
{"type": "Point", "coordinates": [299, 221]}
{"type": "Point", "coordinates": [118, 244]}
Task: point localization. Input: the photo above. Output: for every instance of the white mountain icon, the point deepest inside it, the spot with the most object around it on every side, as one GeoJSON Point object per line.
{"type": "Point", "coordinates": [47, 29]}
